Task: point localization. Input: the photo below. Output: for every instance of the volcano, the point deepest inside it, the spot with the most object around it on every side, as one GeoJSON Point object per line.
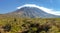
{"type": "Point", "coordinates": [31, 12]}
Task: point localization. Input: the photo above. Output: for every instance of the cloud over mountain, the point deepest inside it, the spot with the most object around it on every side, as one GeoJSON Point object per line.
{"type": "Point", "coordinates": [51, 11]}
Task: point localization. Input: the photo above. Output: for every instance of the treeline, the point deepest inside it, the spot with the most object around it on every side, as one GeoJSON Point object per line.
{"type": "Point", "coordinates": [29, 25]}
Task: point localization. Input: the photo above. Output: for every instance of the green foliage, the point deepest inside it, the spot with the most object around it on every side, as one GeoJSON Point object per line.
{"type": "Point", "coordinates": [29, 25]}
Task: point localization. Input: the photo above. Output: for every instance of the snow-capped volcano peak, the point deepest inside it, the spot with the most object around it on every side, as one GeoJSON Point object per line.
{"type": "Point", "coordinates": [51, 11]}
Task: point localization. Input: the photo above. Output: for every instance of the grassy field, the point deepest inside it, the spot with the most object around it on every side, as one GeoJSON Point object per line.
{"type": "Point", "coordinates": [29, 25]}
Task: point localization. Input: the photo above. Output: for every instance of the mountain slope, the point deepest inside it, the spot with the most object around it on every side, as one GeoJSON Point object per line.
{"type": "Point", "coordinates": [32, 12]}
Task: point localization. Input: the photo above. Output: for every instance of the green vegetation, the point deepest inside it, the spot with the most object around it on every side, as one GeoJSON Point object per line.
{"type": "Point", "coordinates": [29, 25]}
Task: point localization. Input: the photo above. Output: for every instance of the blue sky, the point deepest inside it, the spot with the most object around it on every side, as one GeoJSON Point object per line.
{"type": "Point", "coordinates": [11, 5]}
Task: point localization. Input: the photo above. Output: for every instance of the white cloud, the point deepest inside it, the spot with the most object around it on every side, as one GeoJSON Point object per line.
{"type": "Point", "coordinates": [51, 11]}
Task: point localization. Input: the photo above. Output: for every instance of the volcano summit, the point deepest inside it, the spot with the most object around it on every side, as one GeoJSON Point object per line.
{"type": "Point", "coordinates": [32, 12]}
